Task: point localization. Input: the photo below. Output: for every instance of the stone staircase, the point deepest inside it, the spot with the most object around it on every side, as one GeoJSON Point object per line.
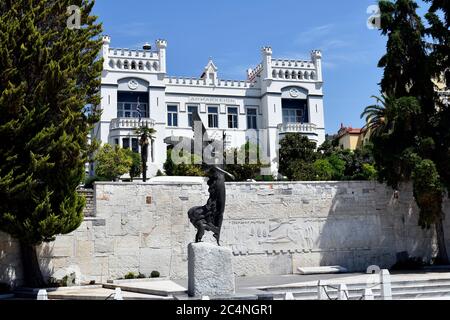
{"type": "Point", "coordinates": [437, 288]}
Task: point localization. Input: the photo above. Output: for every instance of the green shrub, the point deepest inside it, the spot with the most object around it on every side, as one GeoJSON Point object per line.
{"type": "Point", "coordinates": [112, 162]}
{"type": "Point", "coordinates": [141, 276]}
{"type": "Point", "coordinates": [264, 178]}
{"type": "Point", "coordinates": [130, 275]}
{"type": "Point", "coordinates": [244, 162]}
{"type": "Point", "coordinates": [302, 171]}
{"type": "Point", "coordinates": [67, 280]}
{"type": "Point", "coordinates": [323, 171]}
{"type": "Point", "coordinates": [428, 192]}
{"type": "Point", "coordinates": [154, 274]}
{"type": "Point", "coordinates": [136, 164]}
{"type": "Point", "coordinates": [54, 283]}
{"type": "Point", "coordinates": [338, 166]}
{"type": "Point", "coordinates": [296, 150]}
{"type": "Point", "coordinates": [89, 182]}
{"type": "Point", "coordinates": [369, 172]}
{"type": "Point", "coordinates": [185, 168]}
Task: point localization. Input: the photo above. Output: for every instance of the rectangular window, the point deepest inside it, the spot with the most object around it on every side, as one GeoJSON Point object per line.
{"type": "Point", "coordinates": [252, 118]}
{"type": "Point", "coordinates": [232, 117]}
{"type": "Point", "coordinates": [135, 145]}
{"type": "Point", "coordinates": [172, 115]}
{"type": "Point", "coordinates": [292, 116]}
{"type": "Point", "coordinates": [295, 110]}
{"type": "Point", "coordinates": [116, 142]}
{"type": "Point", "coordinates": [126, 143]}
{"type": "Point", "coordinates": [213, 117]}
{"type": "Point", "coordinates": [191, 110]}
{"type": "Point", "coordinates": [132, 104]}
{"type": "Point", "coordinates": [132, 110]}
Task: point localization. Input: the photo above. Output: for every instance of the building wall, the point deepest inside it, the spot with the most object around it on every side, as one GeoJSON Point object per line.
{"type": "Point", "coordinates": [263, 88]}
{"type": "Point", "coordinates": [272, 228]}
{"type": "Point", "coordinates": [350, 141]}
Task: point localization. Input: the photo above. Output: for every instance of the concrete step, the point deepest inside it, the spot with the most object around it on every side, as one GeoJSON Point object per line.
{"type": "Point", "coordinates": [321, 270]}
{"type": "Point", "coordinates": [102, 294]}
{"type": "Point", "coordinates": [162, 288]}
{"type": "Point", "coordinates": [414, 289]}
{"type": "Point", "coordinates": [418, 295]}
{"type": "Point", "coordinates": [360, 289]}
{"type": "Point", "coordinates": [31, 293]}
{"type": "Point", "coordinates": [359, 286]}
{"type": "Point", "coordinates": [421, 295]}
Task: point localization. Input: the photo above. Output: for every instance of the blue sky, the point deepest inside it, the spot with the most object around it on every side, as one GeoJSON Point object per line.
{"type": "Point", "coordinates": [233, 31]}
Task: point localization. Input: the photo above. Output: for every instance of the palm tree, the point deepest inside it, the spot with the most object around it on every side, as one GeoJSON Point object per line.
{"type": "Point", "coordinates": [377, 119]}
{"type": "Point", "coordinates": [147, 135]}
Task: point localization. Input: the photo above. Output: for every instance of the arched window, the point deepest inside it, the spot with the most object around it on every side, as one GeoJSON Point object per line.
{"type": "Point", "coordinates": [306, 75]}
{"type": "Point", "coordinates": [280, 74]}
{"type": "Point", "coordinates": [148, 65]}
{"type": "Point", "coordinates": [286, 75]}
{"type": "Point", "coordinates": [155, 66]}
{"type": "Point", "coordinates": [133, 65]}
{"type": "Point", "coordinates": [294, 74]}
{"type": "Point", "coordinates": [313, 76]}
{"type": "Point", "coordinates": [300, 75]}
{"type": "Point", "coordinates": [126, 64]}
{"type": "Point", "coordinates": [119, 64]}
{"type": "Point", "coordinates": [274, 73]}
{"type": "Point", "coordinates": [141, 65]}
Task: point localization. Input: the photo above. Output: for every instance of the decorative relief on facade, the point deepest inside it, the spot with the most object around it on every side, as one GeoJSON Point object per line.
{"type": "Point", "coordinates": [294, 92]}
{"type": "Point", "coordinates": [133, 84]}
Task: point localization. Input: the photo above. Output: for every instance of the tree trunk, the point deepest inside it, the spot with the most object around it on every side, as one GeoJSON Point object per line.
{"type": "Point", "coordinates": [31, 271]}
{"type": "Point", "coordinates": [144, 173]}
{"type": "Point", "coordinates": [442, 248]}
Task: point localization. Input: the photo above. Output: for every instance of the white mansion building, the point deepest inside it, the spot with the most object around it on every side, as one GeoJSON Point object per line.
{"type": "Point", "coordinates": [278, 96]}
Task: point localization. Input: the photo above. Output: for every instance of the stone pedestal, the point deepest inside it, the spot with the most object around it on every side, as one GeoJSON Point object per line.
{"type": "Point", "coordinates": [210, 270]}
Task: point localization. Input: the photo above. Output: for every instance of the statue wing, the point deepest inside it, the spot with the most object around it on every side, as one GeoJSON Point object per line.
{"type": "Point", "coordinates": [196, 119]}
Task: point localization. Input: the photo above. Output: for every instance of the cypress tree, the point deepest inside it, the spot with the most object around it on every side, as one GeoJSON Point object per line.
{"type": "Point", "coordinates": [439, 20]}
{"type": "Point", "coordinates": [412, 146]}
{"type": "Point", "coordinates": [48, 74]}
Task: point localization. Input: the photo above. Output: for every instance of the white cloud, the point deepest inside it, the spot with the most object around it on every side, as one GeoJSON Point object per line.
{"type": "Point", "coordinates": [310, 35]}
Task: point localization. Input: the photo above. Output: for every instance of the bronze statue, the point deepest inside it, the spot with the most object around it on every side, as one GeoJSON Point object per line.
{"type": "Point", "coordinates": [210, 216]}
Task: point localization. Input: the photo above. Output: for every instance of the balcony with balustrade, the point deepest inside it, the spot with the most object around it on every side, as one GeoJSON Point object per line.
{"type": "Point", "coordinates": [307, 129]}
{"type": "Point", "coordinates": [131, 123]}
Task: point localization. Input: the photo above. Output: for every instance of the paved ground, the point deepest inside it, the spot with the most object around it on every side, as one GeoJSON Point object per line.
{"type": "Point", "coordinates": [100, 294]}
{"type": "Point", "coordinates": [348, 278]}
{"type": "Point", "coordinates": [277, 280]}
{"type": "Point", "coordinates": [152, 289]}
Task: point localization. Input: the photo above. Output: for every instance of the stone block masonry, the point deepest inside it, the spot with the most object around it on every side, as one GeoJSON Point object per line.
{"type": "Point", "coordinates": [271, 228]}
{"type": "Point", "coordinates": [210, 270]}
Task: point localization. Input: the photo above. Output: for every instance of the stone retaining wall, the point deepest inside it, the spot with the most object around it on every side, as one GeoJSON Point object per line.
{"type": "Point", "coordinates": [272, 228]}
